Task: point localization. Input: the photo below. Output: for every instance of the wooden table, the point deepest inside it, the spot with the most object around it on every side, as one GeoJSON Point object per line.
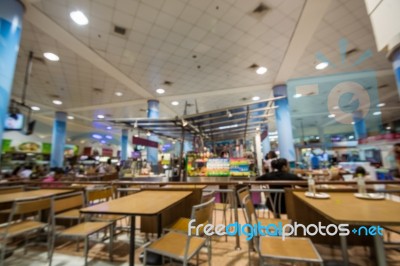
{"type": "Point", "coordinates": [32, 194]}
{"type": "Point", "coordinates": [186, 187]}
{"type": "Point", "coordinates": [345, 208]}
{"type": "Point", "coordinates": [144, 203]}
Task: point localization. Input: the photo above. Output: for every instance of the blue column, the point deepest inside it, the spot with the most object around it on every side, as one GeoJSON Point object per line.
{"type": "Point", "coordinates": [124, 145]}
{"type": "Point", "coordinates": [58, 140]}
{"type": "Point", "coordinates": [284, 124]}
{"type": "Point", "coordinates": [265, 144]}
{"type": "Point", "coordinates": [11, 12]}
{"type": "Point", "coordinates": [360, 130]}
{"type": "Point", "coordinates": [152, 153]}
{"type": "Point", "coordinates": [396, 67]}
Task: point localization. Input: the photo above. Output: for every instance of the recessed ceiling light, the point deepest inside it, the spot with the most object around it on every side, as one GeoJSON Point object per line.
{"type": "Point", "coordinates": [297, 95]}
{"type": "Point", "coordinates": [175, 103]}
{"type": "Point", "coordinates": [51, 56]}
{"type": "Point", "coordinates": [256, 98]}
{"type": "Point", "coordinates": [57, 102]}
{"type": "Point", "coordinates": [119, 94]}
{"type": "Point", "coordinates": [35, 108]}
{"type": "Point", "coordinates": [322, 65]}
{"type": "Point", "coordinates": [380, 104]}
{"type": "Point", "coordinates": [108, 137]}
{"type": "Point", "coordinates": [160, 91]}
{"type": "Point", "coordinates": [97, 136]}
{"type": "Point", "coordinates": [352, 123]}
{"type": "Point", "coordinates": [109, 128]}
{"type": "Point", "coordinates": [100, 116]}
{"type": "Point", "coordinates": [331, 115]}
{"type": "Point", "coordinates": [70, 117]}
{"type": "Point", "coordinates": [377, 113]}
{"type": "Point", "coordinates": [388, 128]}
{"type": "Point", "coordinates": [351, 137]}
{"type": "Point", "coordinates": [261, 70]}
{"type": "Point", "coordinates": [79, 18]}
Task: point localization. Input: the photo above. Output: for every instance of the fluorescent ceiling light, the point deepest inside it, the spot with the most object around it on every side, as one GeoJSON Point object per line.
{"type": "Point", "coordinates": [351, 137]}
{"type": "Point", "coordinates": [109, 137]}
{"type": "Point", "coordinates": [79, 18]}
{"type": "Point", "coordinates": [380, 104]}
{"type": "Point", "coordinates": [35, 108]}
{"type": "Point", "coordinates": [352, 123]}
{"type": "Point", "coordinates": [322, 65]}
{"type": "Point", "coordinates": [297, 95]}
{"type": "Point", "coordinates": [256, 98]}
{"type": "Point", "coordinates": [175, 103]}
{"type": "Point", "coordinates": [377, 113]}
{"type": "Point", "coordinates": [160, 91]}
{"type": "Point", "coordinates": [230, 126]}
{"type": "Point", "coordinates": [273, 133]}
{"type": "Point", "coordinates": [331, 115]}
{"type": "Point", "coordinates": [100, 116]}
{"type": "Point", "coordinates": [119, 94]}
{"type": "Point", "coordinates": [109, 128]}
{"type": "Point", "coordinates": [57, 102]}
{"type": "Point", "coordinates": [261, 70]}
{"type": "Point", "coordinates": [97, 136]}
{"type": "Point", "coordinates": [228, 113]}
{"type": "Point", "coordinates": [51, 56]}
{"type": "Point", "coordinates": [70, 117]}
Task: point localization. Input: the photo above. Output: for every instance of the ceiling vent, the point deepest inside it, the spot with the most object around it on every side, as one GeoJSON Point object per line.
{"type": "Point", "coordinates": [39, 59]}
{"type": "Point", "coordinates": [254, 66]}
{"type": "Point", "coordinates": [351, 51]}
{"type": "Point", "coordinates": [54, 96]}
{"type": "Point", "coordinates": [168, 83]}
{"type": "Point", "coordinates": [383, 86]}
{"type": "Point", "coordinates": [119, 30]}
{"type": "Point", "coordinates": [98, 90]}
{"type": "Point", "coordinates": [260, 11]}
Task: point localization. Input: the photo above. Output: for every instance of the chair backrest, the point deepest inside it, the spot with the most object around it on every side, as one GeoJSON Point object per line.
{"type": "Point", "coordinates": [247, 205]}
{"type": "Point", "coordinates": [68, 202]}
{"type": "Point", "coordinates": [121, 192]}
{"type": "Point", "coordinates": [202, 212]}
{"type": "Point", "coordinates": [13, 189]}
{"type": "Point", "coordinates": [31, 206]}
{"type": "Point", "coordinates": [206, 196]}
{"type": "Point", "coordinates": [275, 200]}
{"type": "Point", "coordinates": [98, 195]}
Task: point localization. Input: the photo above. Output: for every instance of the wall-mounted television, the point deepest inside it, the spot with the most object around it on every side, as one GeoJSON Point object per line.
{"type": "Point", "coordinates": [14, 122]}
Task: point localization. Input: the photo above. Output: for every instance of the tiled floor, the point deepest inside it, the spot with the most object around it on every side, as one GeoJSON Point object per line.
{"type": "Point", "coordinates": [223, 253]}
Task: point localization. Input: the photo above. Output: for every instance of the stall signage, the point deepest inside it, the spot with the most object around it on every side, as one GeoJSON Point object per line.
{"type": "Point", "coordinates": [107, 152]}
{"type": "Point", "coordinates": [144, 142]}
{"type": "Point", "coordinates": [384, 137]}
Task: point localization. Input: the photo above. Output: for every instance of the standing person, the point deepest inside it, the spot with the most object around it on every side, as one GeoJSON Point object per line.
{"type": "Point", "coordinates": [269, 157]}
{"type": "Point", "coordinates": [281, 172]}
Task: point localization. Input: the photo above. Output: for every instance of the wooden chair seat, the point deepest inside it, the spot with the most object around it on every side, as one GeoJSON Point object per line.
{"type": "Point", "coordinates": [173, 244]}
{"type": "Point", "coordinates": [71, 214]}
{"type": "Point", "coordinates": [292, 248]}
{"type": "Point", "coordinates": [84, 229]}
{"type": "Point", "coordinates": [22, 227]}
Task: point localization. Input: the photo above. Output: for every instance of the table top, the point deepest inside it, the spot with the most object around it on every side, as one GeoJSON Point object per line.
{"type": "Point", "coordinates": [149, 202]}
{"type": "Point", "coordinates": [343, 207]}
{"type": "Point", "coordinates": [32, 194]}
{"type": "Point", "coordinates": [185, 186]}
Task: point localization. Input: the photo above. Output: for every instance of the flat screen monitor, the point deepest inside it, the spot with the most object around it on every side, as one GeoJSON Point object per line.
{"type": "Point", "coordinates": [14, 122]}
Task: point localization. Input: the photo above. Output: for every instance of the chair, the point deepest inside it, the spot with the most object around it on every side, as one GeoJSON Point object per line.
{"type": "Point", "coordinates": [183, 246]}
{"type": "Point", "coordinates": [27, 219]}
{"type": "Point", "coordinates": [182, 224]}
{"type": "Point", "coordinates": [293, 249]}
{"type": "Point", "coordinates": [100, 195]}
{"type": "Point", "coordinates": [12, 189]}
{"type": "Point", "coordinates": [226, 204]}
{"type": "Point", "coordinates": [64, 203]}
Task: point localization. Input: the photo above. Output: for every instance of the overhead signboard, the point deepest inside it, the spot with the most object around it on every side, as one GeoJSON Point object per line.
{"type": "Point", "coordinates": [144, 142]}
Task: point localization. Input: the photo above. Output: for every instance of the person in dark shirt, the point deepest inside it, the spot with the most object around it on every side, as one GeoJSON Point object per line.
{"type": "Point", "coordinates": [280, 173]}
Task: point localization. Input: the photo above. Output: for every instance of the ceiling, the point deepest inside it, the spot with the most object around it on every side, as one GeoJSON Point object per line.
{"type": "Point", "coordinates": [203, 48]}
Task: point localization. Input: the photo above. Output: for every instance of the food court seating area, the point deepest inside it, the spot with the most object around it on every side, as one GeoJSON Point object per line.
{"type": "Point", "coordinates": [42, 225]}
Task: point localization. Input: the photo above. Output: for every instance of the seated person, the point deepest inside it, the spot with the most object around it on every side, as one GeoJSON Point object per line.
{"type": "Point", "coordinates": [280, 172]}
{"type": "Point", "coordinates": [55, 175]}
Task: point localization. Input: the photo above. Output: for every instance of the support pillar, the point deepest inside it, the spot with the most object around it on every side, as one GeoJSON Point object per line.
{"type": "Point", "coordinates": [11, 12]}
{"type": "Point", "coordinates": [124, 145]}
{"type": "Point", "coordinates": [152, 153]}
{"type": "Point", "coordinates": [58, 140]}
{"type": "Point", "coordinates": [284, 125]}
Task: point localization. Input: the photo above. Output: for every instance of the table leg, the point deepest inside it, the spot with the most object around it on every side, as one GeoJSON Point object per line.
{"type": "Point", "coordinates": [343, 245]}
{"type": "Point", "coordinates": [236, 219]}
{"type": "Point", "coordinates": [159, 225]}
{"type": "Point", "coordinates": [380, 250]}
{"type": "Point", "coordinates": [132, 241]}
